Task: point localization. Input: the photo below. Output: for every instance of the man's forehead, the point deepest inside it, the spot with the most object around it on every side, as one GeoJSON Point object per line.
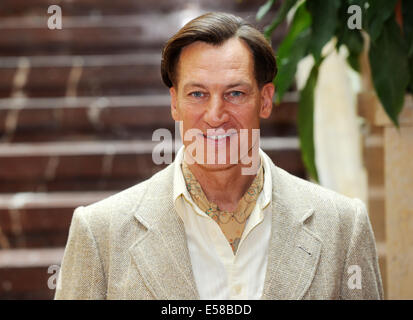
{"type": "Point", "coordinates": [200, 57]}
{"type": "Point", "coordinates": [230, 49]}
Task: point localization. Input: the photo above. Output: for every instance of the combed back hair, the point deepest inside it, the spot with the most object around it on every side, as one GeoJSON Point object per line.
{"type": "Point", "coordinates": [215, 28]}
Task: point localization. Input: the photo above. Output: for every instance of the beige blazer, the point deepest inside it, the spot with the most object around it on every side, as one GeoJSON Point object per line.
{"type": "Point", "coordinates": [132, 245]}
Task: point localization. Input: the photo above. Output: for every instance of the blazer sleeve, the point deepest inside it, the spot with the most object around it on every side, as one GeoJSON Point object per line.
{"type": "Point", "coordinates": [361, 278]}
{"type": "Point", "coordinates": [81, 274]}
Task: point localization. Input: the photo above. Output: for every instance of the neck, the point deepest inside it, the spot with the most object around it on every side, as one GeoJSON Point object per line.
{"type": "Point", "coordinates": [223, 186]}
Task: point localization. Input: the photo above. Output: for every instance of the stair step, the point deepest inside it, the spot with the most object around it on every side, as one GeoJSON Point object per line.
{"type": "Point", "coordinates": [108, 7]}
{"type": "Point", "coordinates": [25, 273]}
{"type": "Point", "coordinates": [27, 258]}
{"type": "Point", "coordinates": [33, 220]}
{"type": "Point", "coordinates": [57, 76]}
{"type": "Point", "coordinates": [86, 34]}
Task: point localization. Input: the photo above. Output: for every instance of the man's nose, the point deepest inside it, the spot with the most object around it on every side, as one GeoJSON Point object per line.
{"type": "Point", "coordinates": [216, 113]}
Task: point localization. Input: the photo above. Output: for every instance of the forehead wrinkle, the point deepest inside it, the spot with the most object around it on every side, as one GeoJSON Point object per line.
{"type": "Point", "coordinates": [218, 65]}
{"type": "Point", "coordinates": [228, 76]}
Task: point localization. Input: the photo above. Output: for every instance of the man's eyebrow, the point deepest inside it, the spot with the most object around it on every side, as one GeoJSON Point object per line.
{"type": "Point", "coordinates": [194, 84]}
{"type": "Point", "coordinates": [239, 84]}
{"type": "Point", "coordinates": [231, 85]}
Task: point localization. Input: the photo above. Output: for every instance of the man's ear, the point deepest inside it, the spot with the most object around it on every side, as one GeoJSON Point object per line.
{"type": "Point", "coordinates": [174, 104]}
{"type": "Point", "coordinates": [267, 93]}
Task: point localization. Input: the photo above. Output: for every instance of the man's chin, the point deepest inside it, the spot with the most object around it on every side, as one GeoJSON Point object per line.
{"type": "Point", "coordinates": [222, 158]}
{"type": "Point", "coordinates": [215, 167]}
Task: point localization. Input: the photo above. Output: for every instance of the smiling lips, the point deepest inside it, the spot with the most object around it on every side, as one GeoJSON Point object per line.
{"type": "Point", "coordinates": [219, 136]}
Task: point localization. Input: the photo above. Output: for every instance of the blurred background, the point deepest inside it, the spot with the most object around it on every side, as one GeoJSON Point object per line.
{"type": "Point", "coordinates": [78, 107]}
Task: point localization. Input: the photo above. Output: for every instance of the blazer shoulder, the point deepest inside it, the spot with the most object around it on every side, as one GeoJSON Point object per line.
{"type": "Point", "coordinates": [328, 204]}
{"type": "Point", "coordinates": [124, 203]}
{"type": "Point", "coordinates": [334, 218]}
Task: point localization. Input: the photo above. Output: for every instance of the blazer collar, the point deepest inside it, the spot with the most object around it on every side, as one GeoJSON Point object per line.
{"type": "Point", "coordinates": [162, 254]}
{"type": "Point", "coordinates": [294, 250]}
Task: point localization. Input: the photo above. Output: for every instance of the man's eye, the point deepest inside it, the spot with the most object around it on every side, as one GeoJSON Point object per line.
{"type": "Point", "coordinates": [236, 93]}
{"type": "Point", "coordinates": [197, 94]}
{"type": "Point", "coordinates": [235, 97]}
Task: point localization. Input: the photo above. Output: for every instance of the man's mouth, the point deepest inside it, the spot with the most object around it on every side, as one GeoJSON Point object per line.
{"type": "Point", "coordinates": [219, 137]}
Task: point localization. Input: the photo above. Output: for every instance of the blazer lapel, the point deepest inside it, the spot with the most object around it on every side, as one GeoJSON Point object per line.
{"type": "Point", "coordinates": [162, 254]}
{"type": "Point", "coordinates": [294, 250]}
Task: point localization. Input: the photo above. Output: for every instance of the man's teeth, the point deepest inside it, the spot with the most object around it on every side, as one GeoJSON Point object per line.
{"type": "Point", "coordinates": [219, 136]}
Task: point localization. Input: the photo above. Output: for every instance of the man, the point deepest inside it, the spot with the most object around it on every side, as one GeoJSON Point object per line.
{"type": "Point", "coordinates": [227, 226]}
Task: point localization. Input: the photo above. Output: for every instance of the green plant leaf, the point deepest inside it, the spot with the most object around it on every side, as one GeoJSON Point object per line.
{"type": "Point", "coordinates": [360, 3]}
{"type": "Point", "coordinates": [292, 49]}
{"type": "Point", "coordinates": [410, 86]}
{"type": "Point", "coordinates": [279, 18]}
{"type": "Point", "coordinates": [407, 13]}
{"type": "Point", "coordinates": [324, 21]}
{"type": "Point", "coordinates": [263, 10]}
{"type": "Point", "coordinates": [378, 12]}
{"type": "Point", "coordinates": [390, 69]}
{"type": "Point", "coordinates": [306, 122]}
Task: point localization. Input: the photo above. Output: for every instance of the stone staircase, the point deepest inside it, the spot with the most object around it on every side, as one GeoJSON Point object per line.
{"type": "Point", "coordinates": [78, 107]}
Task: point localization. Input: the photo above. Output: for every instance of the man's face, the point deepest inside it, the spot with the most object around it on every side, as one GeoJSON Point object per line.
{"type": "Point", "coordinates": [217, 93]}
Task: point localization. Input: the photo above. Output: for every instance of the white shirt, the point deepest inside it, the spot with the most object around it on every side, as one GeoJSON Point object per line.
{"type": "Point", "coordinates": [218, 273]}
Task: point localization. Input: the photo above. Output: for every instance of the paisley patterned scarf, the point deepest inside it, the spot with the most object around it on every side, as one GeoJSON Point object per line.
{"type": "Point", "coordinates": [232, 224]}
